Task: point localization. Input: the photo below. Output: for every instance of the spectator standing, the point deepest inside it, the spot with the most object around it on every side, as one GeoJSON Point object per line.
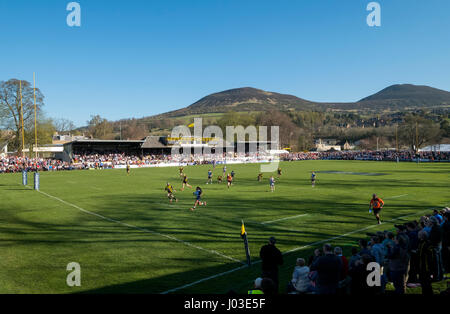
{"type": "Point", "coordinates": [398, 263]}
{"type": "Point", "coordinates": [446, 242]}
{"type": "Point", "coordinates": [271, 259]}
{"type": "Point", "coordinates": [329, 268]}
{"type": "Point", "coordinates": [425, 257]}
{"type": "Point", "coordinates": [435, 239]}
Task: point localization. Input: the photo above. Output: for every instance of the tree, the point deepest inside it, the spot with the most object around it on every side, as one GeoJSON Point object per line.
{"type": "Point", "coordinates": [63, 125]}
{"type": "Point", "coordinates": [133, 130]}
{"type": "Point", "coordinates": [417, 131]}
{"type": "Point", "coordinates": [10, 107]}
{"type": "Point", "coordinates": [100, 128]}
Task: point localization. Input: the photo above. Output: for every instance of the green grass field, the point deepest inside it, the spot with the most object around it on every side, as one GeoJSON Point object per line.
{"type": "Point", "coordinates": [128, 238]}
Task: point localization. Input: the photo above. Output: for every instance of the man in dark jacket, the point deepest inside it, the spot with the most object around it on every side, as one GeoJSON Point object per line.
{"type": "Point", "coordinates": [271, 258]}
{"type": "Point", "coordinates": [425, 254]}
{"type": "Point", "coordinates": [329, 269]}
{"type": "Point", "coordinates": [446, 242]}
{"type": "Point", "coordinates": [435, 239]}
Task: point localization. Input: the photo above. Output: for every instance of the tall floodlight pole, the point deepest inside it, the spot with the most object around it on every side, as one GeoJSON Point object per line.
{"type": "Point", "coordinates": [35, 119]}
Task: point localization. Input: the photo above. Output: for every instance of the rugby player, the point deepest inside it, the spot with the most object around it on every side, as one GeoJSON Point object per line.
{"type": "Point", "coordinates": [229, 180]}
{"type": "Point", "coordinates": [185, 183]}
{"type": "Point", "coordinates": [376, 204]}
{"type": "Point", "coordinates": [170, 190]}
{"type": "Point", "coordinates": [260, 176]}
{"type": "Point", "coordinates": [209, 177]}
{"type": "Point", "coordinates": [198, 201]}
{"type": "Point", "coordinates": [272, 183]}
{"type": "Point", "coordinates": [279, 172]}
{"type": "Point", "coordinates": [313, 179]}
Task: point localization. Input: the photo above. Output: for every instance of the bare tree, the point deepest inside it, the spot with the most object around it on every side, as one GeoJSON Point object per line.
{"type": "Point", "coordinates": [10, 107]}
{"type": "Point", "coordinates": [63, 125]}
{"type": "Point", "coordinates": [417, 131]}
{"type": "Point", "coordinates": [100, 128]}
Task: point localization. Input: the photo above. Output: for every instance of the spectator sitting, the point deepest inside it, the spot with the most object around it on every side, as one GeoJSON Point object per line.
{"type": "Point", "coordinates": [257, 287]}
{"type": "Point", "coordinates": [300, 282]}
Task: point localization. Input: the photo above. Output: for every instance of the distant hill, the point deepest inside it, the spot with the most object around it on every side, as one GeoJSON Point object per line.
{"type": "Point", "coordinates": [244, 99]}
{"type": "Point", "coordinates": [393, 98]}
{"type": "Point", "coordinates": [405, 96]}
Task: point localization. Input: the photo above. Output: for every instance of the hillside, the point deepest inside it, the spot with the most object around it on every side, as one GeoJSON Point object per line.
{"type": "Point", "coordinates": [244, 99]}
{"type": "Point", "coordinates": [407, 96]}
{"type": "Point", "coordinates": [393, 98]}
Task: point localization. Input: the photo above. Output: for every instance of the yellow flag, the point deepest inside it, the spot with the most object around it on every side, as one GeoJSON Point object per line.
{"type": "Point", "coordinates": [242, 230]}
{"type": "Point", "coordinates": [191, 125]}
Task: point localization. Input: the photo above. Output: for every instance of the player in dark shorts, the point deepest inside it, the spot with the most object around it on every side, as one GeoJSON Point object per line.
{"type": "Point", "coordinates": [185, 183]}
{"type": "Point", "coordinates": [313, 179]}
{"type": "Point", "coordinates": [198, 198]}
{"type": "Point", "coordinates": [209, 177]}
{"type": "Point", "coordinates": [229, 180]}
{"type": "Point", "coordinates": [128, 168]}
{"type": "Point", "coordinates": [219, 179]}
{"type": "Point", "coordinates": [376, 204]}
{"type": "Point", "coordinates": [279, 172]}
{"type": "Point", "coordinates": [170, 190]}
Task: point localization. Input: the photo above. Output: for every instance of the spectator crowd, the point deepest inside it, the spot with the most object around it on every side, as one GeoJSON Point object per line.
{"type": "Point", "coordinates": [114, 159]}
{"type": "Point", "coordinates": [415, 255]}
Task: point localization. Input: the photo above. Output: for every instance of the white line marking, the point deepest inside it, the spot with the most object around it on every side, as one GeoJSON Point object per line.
{"type": "Point", "coordinates": [389, 198]}
{"type": "Point", "coordinates": [293, 250]}
{"type": "Point", "coordinates": [292, 217]}
{"type": "Point", "coordinates": [142, 229]}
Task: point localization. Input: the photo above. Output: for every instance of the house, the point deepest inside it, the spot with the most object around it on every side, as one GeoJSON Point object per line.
{"type": "Point", "coordinates": [326, 145]}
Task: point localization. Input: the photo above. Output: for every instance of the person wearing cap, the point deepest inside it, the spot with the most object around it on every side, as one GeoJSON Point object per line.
{"type": "Point", "coordinates": [376, 204]}
{"type": "Point", "coordinates": [271, 258]}
{"type": "Point", "coordinates": [257, 287]}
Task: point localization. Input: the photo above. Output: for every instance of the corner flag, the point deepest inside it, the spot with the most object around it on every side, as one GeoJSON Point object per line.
{"type": "Point", "coordinates": [191, 125]}
{"type": "Point", "coordinates": [244, 237]}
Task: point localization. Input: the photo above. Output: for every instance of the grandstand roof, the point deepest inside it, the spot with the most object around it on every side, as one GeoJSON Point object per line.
{"type": "Point", "coordinates": [436, 148]}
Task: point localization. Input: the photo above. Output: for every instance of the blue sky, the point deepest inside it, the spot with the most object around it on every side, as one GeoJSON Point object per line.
{"type": "Point", "coordinates": [138, 58]}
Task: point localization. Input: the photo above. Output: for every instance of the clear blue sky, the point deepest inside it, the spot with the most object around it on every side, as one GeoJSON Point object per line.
{"type": "Point", "coordinates": [139, 58]}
